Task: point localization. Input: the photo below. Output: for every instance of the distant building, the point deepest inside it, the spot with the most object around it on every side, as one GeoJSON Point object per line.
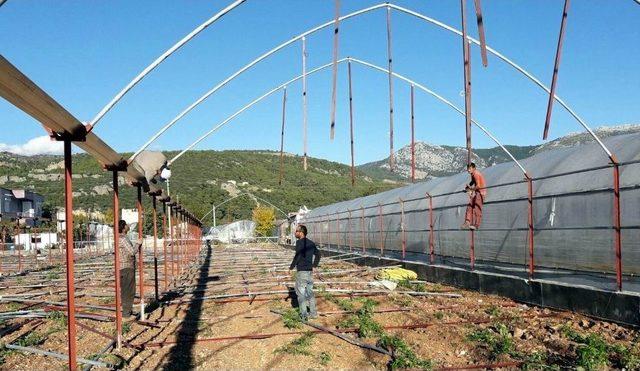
{"type": "Point", "coordinates": [22, 205]}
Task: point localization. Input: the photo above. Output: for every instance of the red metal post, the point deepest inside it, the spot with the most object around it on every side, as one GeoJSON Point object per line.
{"type": "Point", "coordinates": [172, 230]}
{"type": "Point", "coordinates": [472, 249]}
{"type": "Point", "coordinates": [413, 140]}
{"type": "Point", "coordinates": [617, 221]}
{"type": "Point", "coordinates": [353, 165]}
{"type": "Point", "coordinates": [483, 43]}
{"type": "Point", "coordinates": [556, 67]}
{"type": "Point", "coordinates": [350, 233]}
{"type": "Point", "coordinates": [466, 55]}
{"type": "Point", "coordinates": [155, 246]}
{"type": "Point", "coordinates": [381, 231]}
{"type": "Point", "coordinates": [431, 247]}
{"type": "Point", "coordinates": [390, 77]}
{"type": "Point", "coordinates": [140, 252]}
{"type": "Point", "coordinates": [164, 243]}
{"type": "Point", "coordinates": [284, 111]}
{"type": "Point", "coordinates": [336, 24]}
{"type": "Point", "coordinates": [402, 229]}
{"type": "Point", "coordinates": [71, 304]}
{"type": "Point", "coordinates": [362, 228]}
{"type": "Point", "coordinates": [531, 242]}
{"type": "Point", "coordinates": [116, 257]}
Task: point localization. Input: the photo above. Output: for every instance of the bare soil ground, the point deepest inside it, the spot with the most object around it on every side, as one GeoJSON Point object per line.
{"type": "Point", "coordinates": [222, 316]}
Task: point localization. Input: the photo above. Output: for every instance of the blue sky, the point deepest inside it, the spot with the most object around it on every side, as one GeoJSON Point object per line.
{"type": "Point", "coordinates": [83, 52]}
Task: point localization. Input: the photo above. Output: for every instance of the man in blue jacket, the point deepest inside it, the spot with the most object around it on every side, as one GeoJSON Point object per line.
{"type": "Point", "coordinates": [304, 263]}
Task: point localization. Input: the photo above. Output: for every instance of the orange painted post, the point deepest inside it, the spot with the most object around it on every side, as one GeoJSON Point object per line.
{"type": "Point", "coordinates": [403, 229]}
{"type": "Point", "coordinates": [140, 252]}
{"type": "Point", "coordinates": [116, 258]}
{"type": "Point", "coordinates": [362, 228]}
{"type": "Point", "coordinates": [349, 231]}
{"type": "Point", "coordinates": [530, 220]}
{"type": "Point", "coordinates": [617, 222]}
{"type": "Point", "coordinates": [472, 249]}
{"type": "Point", "coordinates": [155, 246]}
{"type": "Point", "coordinates": [71, 305]}
{"type": "Point", "coordinates": [381, 231]}
{"type": "Point", "coordinates": [431, 247]}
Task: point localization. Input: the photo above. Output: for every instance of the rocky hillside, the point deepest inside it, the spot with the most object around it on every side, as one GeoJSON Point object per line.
{"type": "Point", "coordinates": [436, 161]}
{"type": "Point", "coordinates": [199, 178]}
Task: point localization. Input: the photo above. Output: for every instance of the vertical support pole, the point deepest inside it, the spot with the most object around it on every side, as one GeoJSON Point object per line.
{"type": "Point", "coordinates": [329, 230]}
{"type": "Point", "coordinates": [362, 228]}
{"type": "Point", "coordinates": [390, 76]}
{"type": "Point", "coordinates": [155, 246]}
{"type": "Point", "coordinates": [413, 139]}
{"type": "Point", "coordinates": [617, 223]}
{"type": "Point", "coordinates": [431, 244]}
{"type": "Point", "coordinates": [172, 232]}
{"type": "Point", "coordinates": [350, 232]}
{"type": "Point", "coordinates": [71, 304]}
{"type": "Point", "coordinates": [556, 67]}
{"type": "Point", "coordinates": [531, 242]}
{"type": "Point", "coordinates": [164, 244]}
{"type": "Point", "coordinates": [381, 231]}
{"type": "Point", "coordinates": [483, 43]}
{"type": "Point", "coordinates": [466, 56]}
{"type": "Point", "coordinates": [214, 216]}
{"type": "Point", "coordinates": [403, 229]}
{"type": "Point", "coordinates": [284, 111]}
{"type": "Point", "coordinates": [334, 68]}
{"type": "Point", "coordinates": [140, 252]}
{"type": "Point", "coordinates": [304, 103]}
{"type": "Point", "coordinates": [116, 258]}
{"type": "Point", "coordinates": [353, 165]}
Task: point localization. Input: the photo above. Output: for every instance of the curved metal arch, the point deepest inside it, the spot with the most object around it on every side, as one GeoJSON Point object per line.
{"type": "Point", "coordinates": [161, 59]}
{"type": "Point", "coordinates": [373, 66]}
{"type": "Point", "coordinates": [351, 15]}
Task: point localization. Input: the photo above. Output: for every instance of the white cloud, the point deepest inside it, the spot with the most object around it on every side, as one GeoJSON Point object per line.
{"type": "Point", "coordinates": [37, 146]}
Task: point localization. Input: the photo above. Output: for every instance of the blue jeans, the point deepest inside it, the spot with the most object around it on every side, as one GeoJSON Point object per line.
{"type": "Point", "coordinates": [304, 291]}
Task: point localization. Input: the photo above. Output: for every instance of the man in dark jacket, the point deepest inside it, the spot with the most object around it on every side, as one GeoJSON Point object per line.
{"type": "Point", "coordinates": [304, 263]}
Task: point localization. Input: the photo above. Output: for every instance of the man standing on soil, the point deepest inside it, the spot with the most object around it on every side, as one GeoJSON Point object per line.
{"type": "Point", "coordinates": [476, 189]}
{"type": "Point", "coordinates": [304, 263]}
{"type": "Point", "coordinates": [127, 269]}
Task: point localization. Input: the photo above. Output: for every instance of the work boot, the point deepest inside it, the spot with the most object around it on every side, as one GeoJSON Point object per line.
{"type": "Point", "coordinates": [466, 225]}
{"type": "Point", "coordinates": [473, 227]}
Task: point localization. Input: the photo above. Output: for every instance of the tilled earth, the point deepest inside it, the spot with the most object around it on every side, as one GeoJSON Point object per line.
{"type": "Point", "coordinates": [222, 315]}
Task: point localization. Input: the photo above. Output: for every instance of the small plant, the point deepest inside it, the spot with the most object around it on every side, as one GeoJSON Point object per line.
{"type": "Point", "coordinates": [20, 280]}
{"type": "Point", "coordinates": [31, 339]}
{"type": "Point", "coordinates": [291, 318]}
{"type": "Point", "coordinates": [59, 321]}
{"type": "Point", "coordinates": [324, 358]}
{"type": "Point", "coordinates": [126, 327]}
{"type": "Point", "coordinates": [300, 346]}
{"type": "Point", "coordinates": [536, 361]}
{"type": "Point", "coordinates": [439, 315]}
{"type": "Point", "coordinates": [627, 358]}
{"type": "Point", "coordinates": [344, 304]}
{"type": "Point", "coordinates": [497, 340]}
{"type": "Point", "coordinates": [493, 311]}
{"type": "Point", "coordinates": [407, 284]}
{"type": "Point", "coordinates": [593, 353]}
{"type": "Point", "coordinates": [52, 275]}
{"type": "Point", "coordinates": [403, 356]}
{"type": "Point", "coordinates": [348, 322]}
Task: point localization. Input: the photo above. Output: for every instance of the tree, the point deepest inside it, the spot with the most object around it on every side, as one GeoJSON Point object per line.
{"type": "Point", "coordinates": [265, 218]}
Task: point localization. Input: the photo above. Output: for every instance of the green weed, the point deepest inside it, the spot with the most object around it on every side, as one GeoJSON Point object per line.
{"type": "Point", "coordinates": [438, 315]}
{"type": "Point", "coordinates": [403, 356]}
{"type": "Point", "coordinates": [126, 327]}
{"type": "Point", "coordinates": [31, 339]}
{"type": "Point", "coordinates": [497, 340]}
{"type": "Point", "coordinates": [493, 311]}
{"type": "Point", "coordinates": [324, 358]}
{"type": "Point", "coordinates": [291, 318]}
{"type": "Point", "coordinates": [300, 346]}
